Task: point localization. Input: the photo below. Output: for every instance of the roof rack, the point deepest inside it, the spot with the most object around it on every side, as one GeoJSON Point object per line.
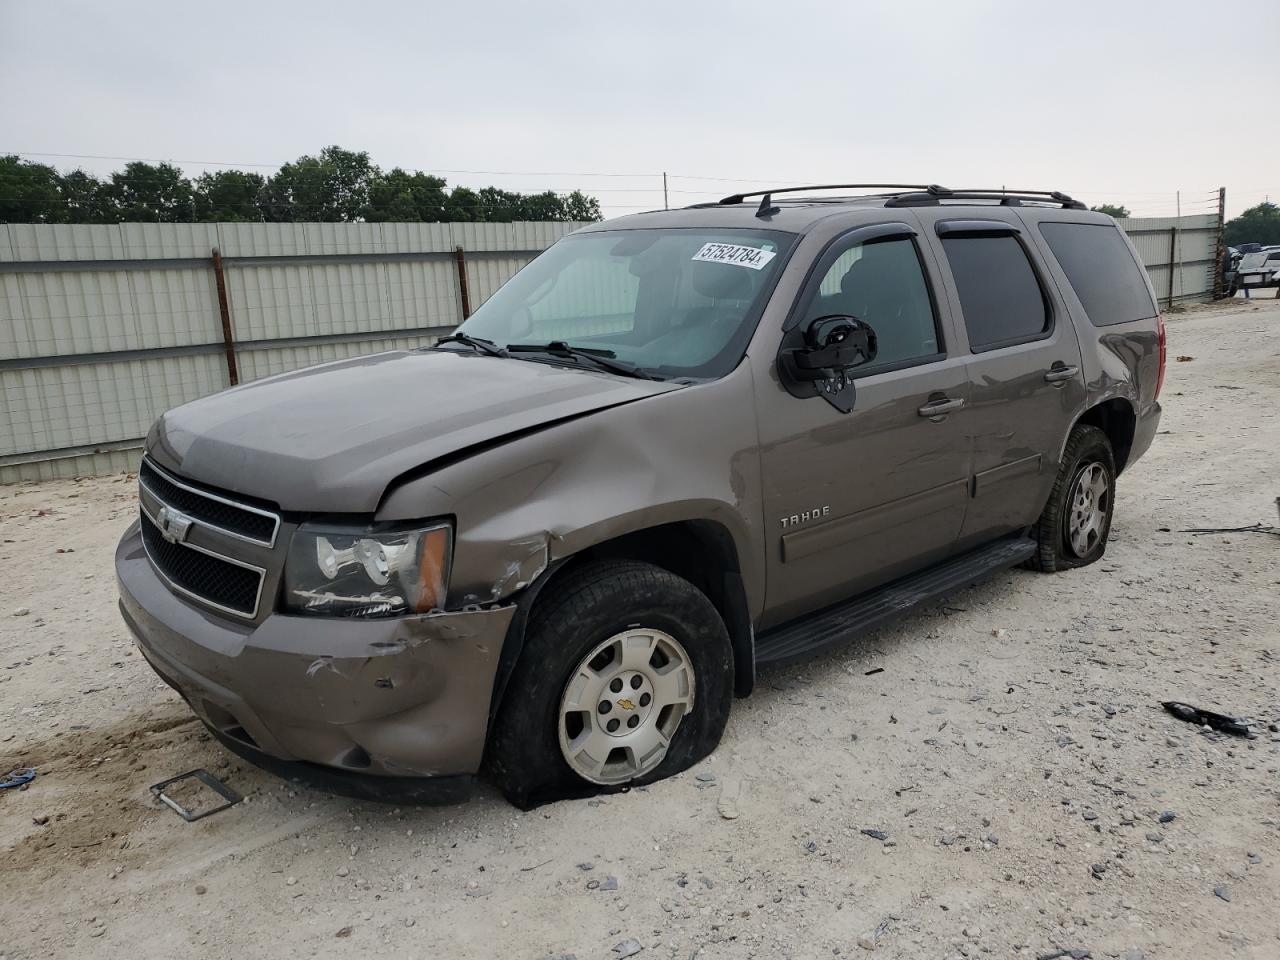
{"type": "Point", "coordinates": [933, 195]}
{"type": "Point", "coordinates": [912, 195]}
{"type": "Point", "coordinates": [766, 203]}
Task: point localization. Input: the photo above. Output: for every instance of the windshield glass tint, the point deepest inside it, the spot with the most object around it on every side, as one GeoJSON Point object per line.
{"type": "Point", "coordinates": [677, 303]}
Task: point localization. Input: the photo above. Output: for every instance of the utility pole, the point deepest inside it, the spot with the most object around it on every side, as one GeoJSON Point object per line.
{"type": "Point", "coordinates": [665, 205]}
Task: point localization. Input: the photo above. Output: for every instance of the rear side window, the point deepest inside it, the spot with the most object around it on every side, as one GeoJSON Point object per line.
{"type": "Point", "coordinates": [1101, 270]}
{"type": "Point", "coordinates": [999, 293]}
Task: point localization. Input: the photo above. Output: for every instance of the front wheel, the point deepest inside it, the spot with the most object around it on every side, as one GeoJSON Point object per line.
{"type": "Point", "coordinates": [626, 678]}
{"type": "Point", "coordinates": [1073, 530]}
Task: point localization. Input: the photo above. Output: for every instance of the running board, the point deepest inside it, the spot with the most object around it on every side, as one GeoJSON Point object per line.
{"type": "Point", "coordinates": [846, 620]}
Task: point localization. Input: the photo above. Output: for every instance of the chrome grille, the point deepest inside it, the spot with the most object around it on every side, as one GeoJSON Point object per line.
{"type": "Point", "coordinates": [213, 580]}
{"type": "Point", "coordinates": [201, 542]}
{"type": "Point", "coordinates": [237, 519]}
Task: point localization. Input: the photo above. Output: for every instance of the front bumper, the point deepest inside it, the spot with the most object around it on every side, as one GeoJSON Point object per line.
{"type": "Point", "coordinates": [403, 697]}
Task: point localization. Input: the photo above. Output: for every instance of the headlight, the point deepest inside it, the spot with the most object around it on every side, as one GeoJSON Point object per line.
{"type": "Point", "coordinates": [369, 572]}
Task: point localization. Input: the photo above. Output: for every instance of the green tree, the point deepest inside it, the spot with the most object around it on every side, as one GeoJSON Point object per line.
{"type": "Point", "coordinates": [579, 207]}
{"type": "Point", "coordinates": [1119, 211]}
{"type": "Point", "coordinates": [406, 197]}
{"type": "Point", "coordinates": [336, 185]}
{"type": "Point", "coordinates": [462, 205]}
{"type": "Point", "coordinates": [157, 193]}
{"type": "Point", "coordinates": [331, 187]}
{"type": "Point", "coordinates": [86, 199]}
{"type": "Point", "coordinates": [29, 192]}
{"type": "Point", "coordinates": [228, 195]}
{"type": "Point", "coordinates": [541, 206]}
{"type": "Point", "coordinates": [1260, 224]}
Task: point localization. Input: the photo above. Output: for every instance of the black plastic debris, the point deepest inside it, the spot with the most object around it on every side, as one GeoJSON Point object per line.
{"type": "Point", "coordinates": [1236, 726]}
{"type": "Point", "coordinates": [875, 834]}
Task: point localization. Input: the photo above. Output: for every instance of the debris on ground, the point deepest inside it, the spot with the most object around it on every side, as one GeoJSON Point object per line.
{"type": "Point", "coordinates": [1236, 726]}
{"type": "Point", "coordinates": [730, 787]}
{"type": "Point", "coordinates": [17, 778]}
{"type": "Point", "coordinates": [1266, 528]}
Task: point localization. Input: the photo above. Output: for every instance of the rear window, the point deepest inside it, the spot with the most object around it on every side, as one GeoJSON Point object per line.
{"type": "Point", "coordinates": [999, 293]}
{"type": "Point", "coordinates": [1101, 271]}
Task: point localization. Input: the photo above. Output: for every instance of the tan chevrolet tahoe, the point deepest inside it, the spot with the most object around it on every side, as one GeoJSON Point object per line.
{"type": "Point", "coordinates": [676, 447]}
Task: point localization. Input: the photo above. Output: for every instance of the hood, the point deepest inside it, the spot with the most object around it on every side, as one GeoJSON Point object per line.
{"type": "Point", "coordinates": [329, 439]}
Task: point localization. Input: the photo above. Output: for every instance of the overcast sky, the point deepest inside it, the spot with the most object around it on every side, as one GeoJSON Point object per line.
{"type": "Point", "coordinates": [1110, 101]}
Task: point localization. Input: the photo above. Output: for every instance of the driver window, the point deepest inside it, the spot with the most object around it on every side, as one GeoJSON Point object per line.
{"type": "Point", "coordinates": [883, 284]}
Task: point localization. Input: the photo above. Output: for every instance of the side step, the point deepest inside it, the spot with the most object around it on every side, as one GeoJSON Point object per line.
{"type": "Point", "coordinates": [846, 620]}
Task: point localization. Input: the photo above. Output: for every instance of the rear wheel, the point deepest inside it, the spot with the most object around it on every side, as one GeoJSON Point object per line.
{"type": "Point", "coordinates": [1073, 529]}
{"type": "Point", "coordinates": [626, 677]}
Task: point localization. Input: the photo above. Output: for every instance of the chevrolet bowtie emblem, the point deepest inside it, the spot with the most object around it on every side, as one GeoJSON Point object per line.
{"type": "Point", "coordinates": [174, 526]}
{"type": "Point", "coordinates": [626, 704]}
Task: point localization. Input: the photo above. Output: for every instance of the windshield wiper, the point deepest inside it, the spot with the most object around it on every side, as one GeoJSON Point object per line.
{"type": "Point", "coordinates": [478, 344]}
{"type": "Point", "coordinates": [601, 358]}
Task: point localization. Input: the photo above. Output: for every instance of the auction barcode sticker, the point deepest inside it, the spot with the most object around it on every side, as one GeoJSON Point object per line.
{"type": "Point", "coordinates": [741, 256]}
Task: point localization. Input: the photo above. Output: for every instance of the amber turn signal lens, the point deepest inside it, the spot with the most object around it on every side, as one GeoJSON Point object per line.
{"type": "Point", "coordinates": [433, 564]}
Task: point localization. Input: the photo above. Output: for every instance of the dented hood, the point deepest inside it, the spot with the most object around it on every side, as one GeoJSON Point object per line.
{"type": "Point", "coordinates": [331, 438]}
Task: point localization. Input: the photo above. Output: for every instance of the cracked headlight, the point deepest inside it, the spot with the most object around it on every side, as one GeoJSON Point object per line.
{"type": "Point", "coordinates": [367, 572]}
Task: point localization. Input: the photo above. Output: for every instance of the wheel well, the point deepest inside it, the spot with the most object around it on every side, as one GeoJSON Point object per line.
{"type": "Point", "coordinates": [702, 552]}
{"type": "Point", "coordinates": [1117, 420]}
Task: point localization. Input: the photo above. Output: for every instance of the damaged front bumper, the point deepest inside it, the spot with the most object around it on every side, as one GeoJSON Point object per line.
{"type": "Point", "coordinates": [406, 697]}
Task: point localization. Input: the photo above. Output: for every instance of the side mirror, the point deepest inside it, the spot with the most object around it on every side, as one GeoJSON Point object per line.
{"type": "Point", "coordinates": [833, 345]}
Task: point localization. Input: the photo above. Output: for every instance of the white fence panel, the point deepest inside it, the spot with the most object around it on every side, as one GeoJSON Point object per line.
{"type": "Point", "coordinates": [104, 327]}
{"type": "Point", "coordinates": [1189, 243]}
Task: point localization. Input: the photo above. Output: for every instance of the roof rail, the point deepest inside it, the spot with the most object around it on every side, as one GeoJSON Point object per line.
{"type": "Point", "coordinates": [934, 194]}
{"type": "Point", "coordinates": [739, 197]}
{"type": "Point", "coordinates": [913, 195]}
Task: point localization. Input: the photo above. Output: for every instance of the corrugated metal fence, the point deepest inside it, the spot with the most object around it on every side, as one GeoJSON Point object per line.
{"type": "Point", "coordinates": [1180, 254]}
{"type": "Point", "coordinates": [103, 328]}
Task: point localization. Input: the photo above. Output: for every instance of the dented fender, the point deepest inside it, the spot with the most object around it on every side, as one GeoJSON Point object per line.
{"type": "Point", "coordinates": [519, 506]}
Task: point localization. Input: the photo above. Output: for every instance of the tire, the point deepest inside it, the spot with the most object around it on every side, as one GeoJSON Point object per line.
{"type": "Point", "coordinates": [613, 608]}
{"type": "Point", "coordinates": [1072, 532]}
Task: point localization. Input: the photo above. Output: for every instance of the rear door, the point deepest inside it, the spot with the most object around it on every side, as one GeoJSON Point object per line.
{"type": "Point", "coordinates": [1024, 367]}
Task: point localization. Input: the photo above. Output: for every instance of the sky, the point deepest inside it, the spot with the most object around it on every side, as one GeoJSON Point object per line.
{"type": "Point", "coordinates": [1121, 102]}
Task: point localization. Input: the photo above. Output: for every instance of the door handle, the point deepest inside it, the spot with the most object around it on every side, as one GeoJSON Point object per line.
{"type": "Point", "coordinates": [936, 408]}
{"type": "Point", "coordinates": [1060, 372]}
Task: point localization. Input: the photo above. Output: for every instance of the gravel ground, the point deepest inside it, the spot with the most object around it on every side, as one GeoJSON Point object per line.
{"type": "Point", "coordinates": [1007, 747]}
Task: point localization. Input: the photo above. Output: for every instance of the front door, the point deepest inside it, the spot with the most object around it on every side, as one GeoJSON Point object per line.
{"type": "Point", "coordinates": [1024, 366]}
{"type": "Point", "coordinates": [855, 499]}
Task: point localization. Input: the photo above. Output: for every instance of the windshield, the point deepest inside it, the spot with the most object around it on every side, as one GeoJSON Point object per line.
{"type": "Point", "coordinates": [1259, 261]}
{"type": "Point", "coordinates": [675, 303]}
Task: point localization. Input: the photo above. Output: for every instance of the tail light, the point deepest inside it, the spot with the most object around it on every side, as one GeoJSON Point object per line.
{"type": "Point", "coordinates": [1164, 352]}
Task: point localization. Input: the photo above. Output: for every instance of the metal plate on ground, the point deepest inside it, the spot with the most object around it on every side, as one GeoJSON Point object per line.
{"type": "Point", "coordinates": [230, 797]}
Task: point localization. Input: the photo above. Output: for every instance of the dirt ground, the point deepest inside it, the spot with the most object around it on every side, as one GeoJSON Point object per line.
{"type": "Point", "coordinates": [1032, 795]}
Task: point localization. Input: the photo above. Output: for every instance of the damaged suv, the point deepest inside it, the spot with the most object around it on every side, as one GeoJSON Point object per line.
{"type": "Point", "coordinates": [673, 448]}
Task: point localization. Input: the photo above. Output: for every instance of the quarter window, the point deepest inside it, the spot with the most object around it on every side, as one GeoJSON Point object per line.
{"type": "Point", "coordinates": [1102, 272]}
{"type": "Point", "coordinates": [883, 284]}
{"type": "Point", "coordinates": [999, 293]}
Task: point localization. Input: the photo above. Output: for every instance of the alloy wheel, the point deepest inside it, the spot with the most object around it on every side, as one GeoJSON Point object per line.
{"type": "Point", "coordinates": [622, 705]}
{"type": "Point", "coordinates": [1088, 508]}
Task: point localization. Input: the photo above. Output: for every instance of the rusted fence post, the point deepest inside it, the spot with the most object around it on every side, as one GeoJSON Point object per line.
{"type": "Point", "coordinates": [228, 339]}
{"type": "Point", "coordinates": [463, 288]}
{"type": "Point", "coordinates": [1173, 263]}
{"type": "Point", "coordinates": [1220, 249]}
